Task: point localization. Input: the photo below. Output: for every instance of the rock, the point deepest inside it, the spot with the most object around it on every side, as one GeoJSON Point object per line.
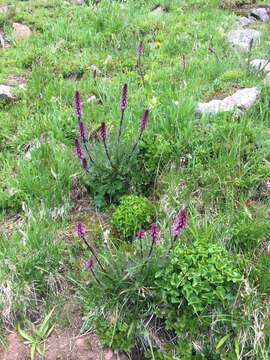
{"type": "Point", "coordinates": [261, 65]}
{"type": "Point", "coordinates": [158, 11]}
{"type": "Point", "coordinates": [245, 21]}
{"type": "Point", "coordinates": [22, 31]}
{"type": "Point", "coordinates": [3, 43]}
{"type": "Point", "coordinates": [242, 38]}
{"type": "Point", "coordinates": [260, 14]}
{"type": "Point", "coordinates": [5, 9]}
{"type": "Point", "coordinates": [76, 2]}
{"type": "Point", "coordinates": [92, 99]}
{"type": "Point", "coordinates": [6, 93]}
{"type": "Point", "coordinates": [96, 69]}
{"type": "Point", "coordinates": [241, 100]}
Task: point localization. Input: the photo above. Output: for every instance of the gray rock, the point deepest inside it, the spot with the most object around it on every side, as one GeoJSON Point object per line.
{"type": "Point", "coordinates": [242, 38]}
{"type": "Point", "coordinates": [260, 14]}
{"type": "Point", "coordinates": [158, 11]}
{"type": "Point", "coordinates": [245, 21]}
{"type": "Point", "coordinates": [21, 31]}
{"type": "Point", "coordinates": [241, 100]}
{"type": "Point", "coordinates": [92, 99]}
{"type": "Point", "coordinates": [6, 93]}
{"type": "Point", "coordinates": [76, 2]}
{"type": "Point", "coordinates": [5, 9]}
{"type": "Point", "coordinates": [261, 65]}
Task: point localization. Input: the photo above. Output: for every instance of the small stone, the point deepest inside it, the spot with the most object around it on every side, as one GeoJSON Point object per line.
{"type": "Point", "coordinates": [92, 99]}
{"type": "Point", "coordinates": [5, 9]}
{"type": "Point", "coordinates": [22, 31]}
{"type": "Point", "coordinates": [261, 65]}
{"type": "Point", "coordinates": [76, 2]}
{"type": "Point", "coordinates": [260, 14]}
{"type": "Point", "coordinates": [3, 43]}
{"type": "Point", "coordinates": [242, 38]}
{"type": "Point", "coordinates": [6, 93]}
{"type": "Point", "coordinates": [158, 11]}
{"type": "Point", "coordinates": [241, 100]}
{"type": "Point", "coordinates": [95, 68]}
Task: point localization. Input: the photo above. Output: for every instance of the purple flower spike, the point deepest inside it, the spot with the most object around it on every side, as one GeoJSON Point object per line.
{"type": "Point", "coordinates": [78, 149]}
{"type": "Point", "coordinates": [81, 230]}
{"type": "Point", "coordinates": [144, 120]}
{"type": "Point", "coordinates": [103, 135]}
{"type": "Point", "coordinates": [83, 132]}
{"type": "Point", "coordinates": [90, 264]}
{"type": "Point", "coordinates": [140, 234]}
{"type": "Point", "coordinates": [154, 233]}
{"type": "Point", "coordinates": [124, 98]}
{"type": "Point", "coordinates": [180, 223]}
{"type": "Point", "coordinates": [78, 105]}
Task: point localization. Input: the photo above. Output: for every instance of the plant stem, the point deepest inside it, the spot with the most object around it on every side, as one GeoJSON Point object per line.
{"type": "Point", "coordinates": [94, 276]}
{"type": "Point", "coordinates": [107, 153]}
{"type": "Point", "coordinates": [141, 247]}
{"type": "Point", "coordinates": [87, 150]}
{"type": "Point", "coordinates": [121, 126]}
{"type": "Point", "coordinates": [135, 146]}
{"type": "Point", "coordinates": [151, 249]}
{"type": "Point", "coordinates": [95, 256]}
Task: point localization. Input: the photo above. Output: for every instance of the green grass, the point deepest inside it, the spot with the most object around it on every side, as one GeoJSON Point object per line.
{"type": "Point", "coordinates": [223, 160]}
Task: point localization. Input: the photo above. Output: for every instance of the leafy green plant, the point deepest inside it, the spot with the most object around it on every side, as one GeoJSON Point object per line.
{"type": "Point", "coordinates": [117, 335]}
{"type": "Point", "coordinates": [123, 294]}
{"type": "Point", "coordinates": [110, 161]}
{"type": "Point", "coordinates": [38, 336]}
{"type": "Point", "coordinates": [199, 275]}
{"type": "Point", "coordinates": [133, 213]}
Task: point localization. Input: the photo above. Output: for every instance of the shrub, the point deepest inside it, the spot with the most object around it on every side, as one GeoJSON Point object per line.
{"type": "Point", "coordinates": [110, 160]}
{"type": "Point", "coordinates": [198, 276]}
{"type": "Point", "coordinates": [133, 213]}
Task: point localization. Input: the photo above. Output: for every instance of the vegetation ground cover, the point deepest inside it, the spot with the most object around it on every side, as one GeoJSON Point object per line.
{"type": "Point", "coordinates": [194, 286]}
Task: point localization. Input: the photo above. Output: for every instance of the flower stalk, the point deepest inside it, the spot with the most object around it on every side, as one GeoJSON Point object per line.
{"type": "Point", "coordinates": [123, 107]}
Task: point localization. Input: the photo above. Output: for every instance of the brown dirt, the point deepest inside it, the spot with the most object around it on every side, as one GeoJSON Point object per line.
{"type": "Point", "coordinates": [64, 344]}
{"type": "Point", "coordinates": [16, 80]}
{"type": "Point", "coordinates": [220, 95]}
{"type": "Point", "coordinates": [11, 223]}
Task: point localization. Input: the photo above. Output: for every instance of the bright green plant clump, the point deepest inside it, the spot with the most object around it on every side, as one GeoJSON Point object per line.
{"type": "Point", "coordinates": [199, 275]}
{"type": "Point", "coordinates": [133, 213]}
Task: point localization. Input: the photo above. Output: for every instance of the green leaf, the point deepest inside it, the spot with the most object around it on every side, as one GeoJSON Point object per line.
{"type": "Point", "coordinates": [237, 349]}
{"type": "Point", "coordinates": [222, 341]}
{"type": "Point", "coordinates": [24, 335]}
